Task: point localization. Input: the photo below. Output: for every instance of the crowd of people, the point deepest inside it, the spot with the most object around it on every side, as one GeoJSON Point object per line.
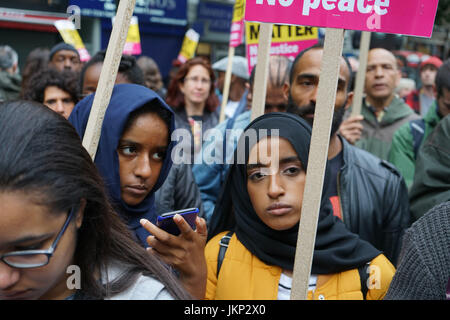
{"type": "Point", "coordinates": [384, 223]}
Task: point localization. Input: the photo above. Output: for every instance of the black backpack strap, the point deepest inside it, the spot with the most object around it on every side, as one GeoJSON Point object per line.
{"type": "Point", "coordinates": [364, 276]}
{"type": "Point", "coordinates": [223, 248]}
{"type": "Point", "coordinates": [418, 131]}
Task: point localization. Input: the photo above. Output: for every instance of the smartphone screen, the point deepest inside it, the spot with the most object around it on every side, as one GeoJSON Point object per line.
{"type": "Point", "coordinates": [165, 220]}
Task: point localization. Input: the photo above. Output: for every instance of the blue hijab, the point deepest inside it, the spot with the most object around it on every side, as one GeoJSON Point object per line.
{"type": "Point", "coordinates": [125, 99]}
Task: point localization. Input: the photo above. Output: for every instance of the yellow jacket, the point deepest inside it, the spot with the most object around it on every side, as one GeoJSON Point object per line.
{"type": "Point", "coordinates": [244, 277]}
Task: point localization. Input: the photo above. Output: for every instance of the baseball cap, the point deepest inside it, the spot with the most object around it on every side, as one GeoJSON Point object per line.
{"type": "Point", "coordinates": [435, 61]}
{"type": "Point", "coordinates": [239, 66]}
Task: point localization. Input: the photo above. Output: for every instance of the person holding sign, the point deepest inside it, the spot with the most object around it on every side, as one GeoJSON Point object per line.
{"type": "Point", "coordinates": [64, 56]}
{"type": "Point", "coordinates": [382, 110]}
{"type": "Point", "coordinates": [368, 194]}
{"type": "Point", "coordinates": [134, 158]}
{"type": "Point", "coordinates": [59, 236]}
{"type": "Point", "coordinates": [262, 204]}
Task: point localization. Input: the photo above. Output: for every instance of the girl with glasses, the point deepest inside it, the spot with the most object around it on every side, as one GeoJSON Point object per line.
{"type": "Point", "coordinates": [59, 236]}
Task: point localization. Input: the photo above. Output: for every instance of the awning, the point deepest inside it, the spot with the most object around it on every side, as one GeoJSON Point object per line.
{"type": "Point", "coordinates": [29, 20]}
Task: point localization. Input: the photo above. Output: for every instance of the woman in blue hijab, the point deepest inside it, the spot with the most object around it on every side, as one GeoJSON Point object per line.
{"type": "Point", "coordinates": [107, 158]}
{"type": "Point", "coordinates": [133, 157]}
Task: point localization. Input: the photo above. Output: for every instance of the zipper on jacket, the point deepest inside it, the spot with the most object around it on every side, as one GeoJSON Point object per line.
{"type": "Point", "coordinates": [339, 194]}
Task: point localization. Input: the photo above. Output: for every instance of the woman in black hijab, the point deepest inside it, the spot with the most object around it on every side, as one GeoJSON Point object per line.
{"type": "Point", "coordinates": [261, 204]}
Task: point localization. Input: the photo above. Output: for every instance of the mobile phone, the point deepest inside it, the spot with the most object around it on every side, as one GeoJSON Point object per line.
{"type": "Point", "coordinates": [165, 220]}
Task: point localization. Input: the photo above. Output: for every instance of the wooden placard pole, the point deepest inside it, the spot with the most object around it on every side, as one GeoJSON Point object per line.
{"type": "Point", "coordinates": [226, 87]}
{"type": "Point", "coordinates": [361, 73]}
{"type": "Point", "coordinates": [108, 75]}
{"type": "Point", "coordinates": [323, 117]}
{"type": "Point", "coordinates": [262, 70]}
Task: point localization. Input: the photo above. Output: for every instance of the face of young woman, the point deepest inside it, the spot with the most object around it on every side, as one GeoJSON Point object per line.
{"type": "Point", "coordinates": [141, 153]}
{"type": "Point", "coordinates": [275, 183]}
{"type": "Point", "coordinates": [196, 85]}
{"type": "Point", "coordinates": [25, 225]}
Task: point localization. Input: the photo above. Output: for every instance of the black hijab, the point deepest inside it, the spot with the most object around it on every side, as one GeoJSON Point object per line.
{"type": "Point", "coordinates": [336, 248]}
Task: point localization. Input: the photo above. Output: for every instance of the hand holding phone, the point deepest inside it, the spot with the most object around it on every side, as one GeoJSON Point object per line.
{"type": "Point", "coordinates": [165, 221]}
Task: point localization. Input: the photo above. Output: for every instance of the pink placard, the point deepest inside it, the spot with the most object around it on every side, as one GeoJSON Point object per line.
{"type": "Point", "coordinates": [84, 54]}
{"type": "Point", "coordinates": [288, 49]}
{"type": "Point", "coordinates": [237, 32]}
{"type": "Point", "coordinates": [408, 17]}
{"type": "Point", "coordinates": [132, 48]}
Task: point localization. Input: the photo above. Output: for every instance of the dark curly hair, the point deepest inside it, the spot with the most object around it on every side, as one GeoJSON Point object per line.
{"type": "Point", "coordinates": [64, 80]}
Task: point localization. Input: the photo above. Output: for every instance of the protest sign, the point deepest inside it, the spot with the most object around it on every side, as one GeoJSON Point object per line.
{"type": "Point", "coordinates": [236, 36]}
{"type": "Point", "coordinates": [361, 73]}
{"type": "Point", "coordinates": [286, 41]}
{"type": "Point", "coordinates": [412, 17]}
{"type": "Point", "coordinates": [320, 139]}
{"type": "Point", "coordinates": [108, 76]}
{"type": "Point", "coordinates": [188, 46]}
{"type": "Point", "coordinates": [261, 71]}
{"type": "Point", "coordinates": [133, 42]}
{"type": "Point", "coordinates": [70, 35]}
{"type": "Point", "coordinates": [237, 24]}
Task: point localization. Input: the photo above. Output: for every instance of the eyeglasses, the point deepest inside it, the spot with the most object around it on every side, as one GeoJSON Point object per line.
{"type": "Point", "coordinates": [203, 81]}
{"type": "Point", "coordinates": [35, 258]}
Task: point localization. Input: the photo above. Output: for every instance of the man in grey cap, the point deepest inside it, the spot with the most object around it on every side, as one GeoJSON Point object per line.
{"type": "Point", "coordinates": [10, 79]}
{"type": "Point", "coordinates": [239, 78]}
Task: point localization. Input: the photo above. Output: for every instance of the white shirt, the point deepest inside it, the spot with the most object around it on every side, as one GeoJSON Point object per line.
{"type": "Point", "coordinates": [230, 108]}
{"type": "Point", "coordinates": [285, 285]}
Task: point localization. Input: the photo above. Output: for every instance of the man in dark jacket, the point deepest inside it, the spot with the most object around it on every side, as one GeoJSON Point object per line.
{"type": "Point", "coordinates": [10, 79]}
{"type": "Point", "coordinates": [367, 193]}
{"type": "Point", "coordinates": [431, 184]}
{"type": "Point", "coordinates": [411, 135]}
